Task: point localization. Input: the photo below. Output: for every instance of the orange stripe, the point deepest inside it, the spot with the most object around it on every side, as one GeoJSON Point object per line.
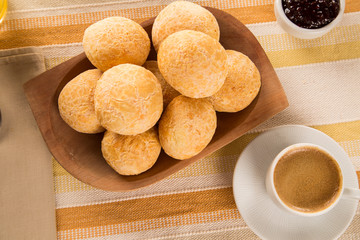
{"type": "Point", "coordinates": [182, 205]}
{"type": "Point", "coordinates": [358, 175]}
{"type": "Point", "coordinates": [352, 6]}
{"type": "Point", "coordinates": [156, 207]}
{"type": "Point", "coordinates": [256, 14]}
{"type": "Point", "coordinates": [44, 36]}
{"type": "Point", "coordinates": [168, 211]}
{"type": "Point", "coordinates": [168, 222]}
{"type": "Point", "coordinates": [77, 18]}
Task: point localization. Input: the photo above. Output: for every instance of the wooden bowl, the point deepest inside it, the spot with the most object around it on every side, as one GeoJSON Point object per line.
{"type": "Point", "coordinates": [80, 154]}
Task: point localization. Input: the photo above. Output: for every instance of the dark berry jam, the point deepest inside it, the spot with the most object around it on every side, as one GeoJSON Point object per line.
{"type": "Point", "coordinates": [311, 13]}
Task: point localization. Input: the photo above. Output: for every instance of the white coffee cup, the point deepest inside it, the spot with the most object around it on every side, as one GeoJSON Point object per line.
{"type": "Point", "coordinates": [343, 192]}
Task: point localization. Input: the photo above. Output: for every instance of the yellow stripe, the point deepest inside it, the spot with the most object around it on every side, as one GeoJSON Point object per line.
{"type": "Point", "coordinates": [278, 42]}
{"type": "Point", "coordinates": [156, 207]}
{"type": "Point", "coordinates": [296, 57]}
{"type": "Point", "coordinates": [58, 170]}
{"type": "Point", "coordinates": [77, 18]}
{"type": "Point", "coordinates": [285, 58]}
{"type": "Point", "coordinates": [68, 184]}
{"type": "Point", "coordinates": [282, 48]}
{"type": "Point", "coordinates": [221, 161]}
{"type": "Point", "coordinates": [341, 132]}
{"type": "Point", "coordinates": [52, 62]}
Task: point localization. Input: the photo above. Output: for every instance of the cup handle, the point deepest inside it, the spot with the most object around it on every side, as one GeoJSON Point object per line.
{"type": "Point", "coordinates": [351, 193]}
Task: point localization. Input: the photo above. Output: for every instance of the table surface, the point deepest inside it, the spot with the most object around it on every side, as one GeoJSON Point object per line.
{"type": "Point", "coordinates": [320, 78]}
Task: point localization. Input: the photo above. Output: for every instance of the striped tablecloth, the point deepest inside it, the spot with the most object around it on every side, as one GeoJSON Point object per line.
{"type": "Point", "coordinates": [321, 78]}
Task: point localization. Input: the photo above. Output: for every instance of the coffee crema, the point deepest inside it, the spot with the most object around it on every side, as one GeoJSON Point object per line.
{"type": "Point", "coordinates": [307, 179]}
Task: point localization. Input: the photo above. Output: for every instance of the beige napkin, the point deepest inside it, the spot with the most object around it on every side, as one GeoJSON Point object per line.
{"type": "Point", "coordinates": [27, 199]}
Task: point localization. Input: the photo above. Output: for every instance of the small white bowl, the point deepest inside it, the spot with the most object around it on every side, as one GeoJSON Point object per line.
{"type": "Point", "coordinates": [300, 32]}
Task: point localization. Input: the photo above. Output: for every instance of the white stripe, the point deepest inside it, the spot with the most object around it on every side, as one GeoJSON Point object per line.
{"type": "Point", "coordinates": [61, 50]}
{"type": "Point", "coordinates": [215, 229]}
{"type": "Point", "coordinates": [180, 185]}
{"type": "Point", "coordinates": [352, 148]}
{"type": "Point", "coordinates": [320, 93]}
{"type": "Point", "coordinates": [283, 41]}
{"type": "Point", "coordinates": [81, 8]}
{"type": "Point", "coordinates": [356, 162]}
{"type": "Point", "coordinates": [21, 11]}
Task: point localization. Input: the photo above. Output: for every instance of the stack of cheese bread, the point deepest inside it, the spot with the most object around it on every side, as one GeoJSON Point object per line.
{"type": "Point", "coordinates": [170, 104]}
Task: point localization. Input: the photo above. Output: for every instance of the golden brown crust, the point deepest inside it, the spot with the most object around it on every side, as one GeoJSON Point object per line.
{"type": "Point", "coordinates": [76, 102]}
{"type": "Point", "coordinates": [186, 127]}
{"type": "Point", "coordinates": [131, 155]}
{"type": "Point", "coordinates": [183, 15]}
{"type": "Point", "coordinates": [116, 40]}
{"type": "Point", "coordinates": [169, 93]}
{"type": "Point", "coordinates": [128, 99]}
{"type": "Point", "coordinates": [241, 86]}
{"type": "Point", "coordinates": [193, 63]}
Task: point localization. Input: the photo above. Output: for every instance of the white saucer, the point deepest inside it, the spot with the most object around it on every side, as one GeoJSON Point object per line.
{"type": "Point", "coordinates": [261, 214]}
